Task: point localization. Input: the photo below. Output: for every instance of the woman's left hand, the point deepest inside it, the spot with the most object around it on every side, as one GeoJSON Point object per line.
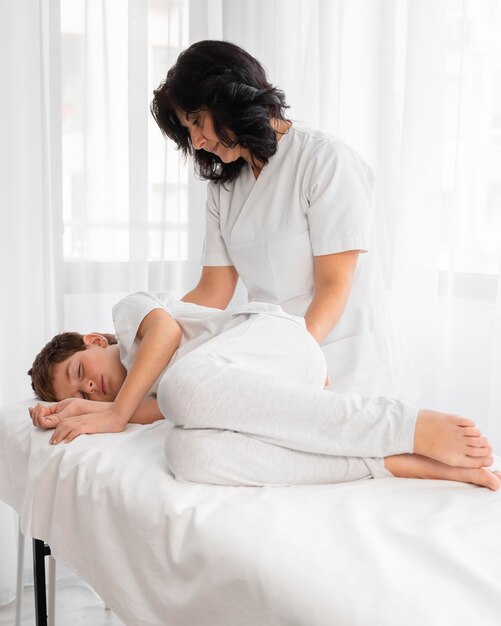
{"type": "Point", "coordinates": [106, 422]}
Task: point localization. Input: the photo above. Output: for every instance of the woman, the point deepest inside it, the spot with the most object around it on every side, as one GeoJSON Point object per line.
{"type": "Point", "coordinates": [288, 210]}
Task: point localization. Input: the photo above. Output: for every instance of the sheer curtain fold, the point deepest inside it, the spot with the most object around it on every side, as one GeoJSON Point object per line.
{"type": "Point", "coordinates": [494, 367]}
{"type": "Point", "coordinates": [442, 262]}
{"type": "Point", "coordinates": [30, 233]}
{"type": "Point", "coordinates": [30, 220]}
{"type": "Point", "coordinates": [138, 143]}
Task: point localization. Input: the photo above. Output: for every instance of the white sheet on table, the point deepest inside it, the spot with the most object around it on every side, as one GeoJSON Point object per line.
{"type": "Point", "coordinates": [381, 552]}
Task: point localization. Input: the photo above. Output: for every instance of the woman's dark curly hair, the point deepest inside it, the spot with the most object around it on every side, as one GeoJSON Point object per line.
{"type": "Point", "coordinates": [232, 85]}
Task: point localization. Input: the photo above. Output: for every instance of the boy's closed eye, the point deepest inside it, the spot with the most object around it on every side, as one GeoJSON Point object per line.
{"type": "Point", "coordinates": [80, 374]}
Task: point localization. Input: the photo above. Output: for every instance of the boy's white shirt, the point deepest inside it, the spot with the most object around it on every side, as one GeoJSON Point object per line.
{"type": "Point", "coordinates": [199, 324]}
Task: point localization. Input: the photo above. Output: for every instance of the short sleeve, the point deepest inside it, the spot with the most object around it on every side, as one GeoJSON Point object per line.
{"type": "Point", "coordinates": [128, 314]}
{"type": "Point", "coordinates": [338, 189]}
{"type": "Point", "coordinates": [215, 251]}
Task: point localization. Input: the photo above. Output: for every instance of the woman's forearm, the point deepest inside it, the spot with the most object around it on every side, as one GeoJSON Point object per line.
{"type": "Point", "coordinates": [206, 297]}
{"type": "Point", "coordinates": [333, 279]}
{"type": "Point", "coordinates": [215, 288]}
{"type": "Point", "coordinates": [326, 309]}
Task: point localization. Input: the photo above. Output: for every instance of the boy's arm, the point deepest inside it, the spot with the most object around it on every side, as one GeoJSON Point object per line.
{"type": "Point", "coordinates": [159, 336]}
{"type": "Point", "coordinates": [147, 412]}
{"type": "Point", "coordinates": [49, 416]}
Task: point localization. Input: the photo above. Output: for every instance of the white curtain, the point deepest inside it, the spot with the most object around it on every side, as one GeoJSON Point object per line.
{"type": "Point", "coordinates": [124, 188]}
{"type": "Point", "coordinates": [30, 218]}
{"type": "Point", "coordinates": [96, 204]}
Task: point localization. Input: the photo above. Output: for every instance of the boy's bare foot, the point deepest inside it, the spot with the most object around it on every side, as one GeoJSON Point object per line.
{"type": "Point", "coordinates": [415, 466]}
{"type": "Point", "coordinates": [451, 439]}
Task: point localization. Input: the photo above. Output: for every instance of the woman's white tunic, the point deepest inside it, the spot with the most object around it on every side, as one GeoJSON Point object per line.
{"type": "Point", "coordinates": [312, 198]}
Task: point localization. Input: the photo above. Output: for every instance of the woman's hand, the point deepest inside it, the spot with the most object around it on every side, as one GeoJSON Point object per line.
{"type": "Point", "coordinates": [69, 428]}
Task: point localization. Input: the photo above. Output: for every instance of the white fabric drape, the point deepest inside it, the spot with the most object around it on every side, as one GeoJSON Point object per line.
{"type": "Point", "coordinates": [31, 221]}
{"type": "Point", "coordinates": [413, 85]}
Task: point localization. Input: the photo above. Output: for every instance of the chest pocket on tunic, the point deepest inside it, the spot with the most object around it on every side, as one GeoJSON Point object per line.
{"type": "Point", "coordinates": [276, 270]}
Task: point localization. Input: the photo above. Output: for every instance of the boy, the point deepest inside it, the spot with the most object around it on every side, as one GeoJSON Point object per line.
{"type": "Point", "coordinates": [245, 390]}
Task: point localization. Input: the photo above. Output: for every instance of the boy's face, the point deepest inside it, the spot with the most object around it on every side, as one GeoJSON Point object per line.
{"type": "Point", "coordinates": [95, 373]}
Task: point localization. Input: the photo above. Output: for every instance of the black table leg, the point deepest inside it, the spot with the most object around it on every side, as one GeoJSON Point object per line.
{"type": "Point", "coordinates": [40, 551]}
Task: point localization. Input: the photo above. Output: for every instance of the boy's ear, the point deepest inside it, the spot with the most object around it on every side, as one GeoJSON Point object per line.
{"type": "Point", "coordinates": [94, 339]}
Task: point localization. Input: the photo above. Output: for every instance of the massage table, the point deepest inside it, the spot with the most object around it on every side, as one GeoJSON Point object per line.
{"type": "Point", "coordinates": [383, 552]}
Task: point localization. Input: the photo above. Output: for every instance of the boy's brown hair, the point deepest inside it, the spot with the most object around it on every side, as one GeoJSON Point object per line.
{"type": "Point", "coordinates": [56, 351]}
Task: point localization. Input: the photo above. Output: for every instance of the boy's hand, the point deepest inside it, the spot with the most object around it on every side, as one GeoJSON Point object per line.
{"type": "Point", "coordinates": [44, 416]}
{"type": "Point", "coordinates": [105, 422]}
{"type": "Point", "coordinates": [49, 416]}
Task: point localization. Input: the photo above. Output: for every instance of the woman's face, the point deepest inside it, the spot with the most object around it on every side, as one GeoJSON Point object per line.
{"type": "Point", "coordinates": [200, 125]}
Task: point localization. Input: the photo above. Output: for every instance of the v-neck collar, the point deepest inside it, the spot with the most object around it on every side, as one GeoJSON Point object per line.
{"type": "Point", "coordinates": [250, 186]}
{"type": "Point", "coordinates": [271, 160]}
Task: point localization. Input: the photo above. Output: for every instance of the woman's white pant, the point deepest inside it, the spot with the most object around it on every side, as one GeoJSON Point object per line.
{"type": "Point", "coordinates": [249, 408]}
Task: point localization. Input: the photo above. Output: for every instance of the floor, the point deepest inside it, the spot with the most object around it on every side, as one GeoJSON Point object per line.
{"type": "Point", "coordinates": [76, 605]}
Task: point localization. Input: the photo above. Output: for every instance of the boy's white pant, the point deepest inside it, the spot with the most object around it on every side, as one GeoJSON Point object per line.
{"type": "Point", "coordinates": [249, 408]}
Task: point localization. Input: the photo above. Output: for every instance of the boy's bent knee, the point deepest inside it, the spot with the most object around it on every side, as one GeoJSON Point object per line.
{"type": "Point", "coordinates": [189, 457]}
{"type": "Point", "coordinates": [191, 389]}
{"type": "Point", "coordinates": [177, 390]}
